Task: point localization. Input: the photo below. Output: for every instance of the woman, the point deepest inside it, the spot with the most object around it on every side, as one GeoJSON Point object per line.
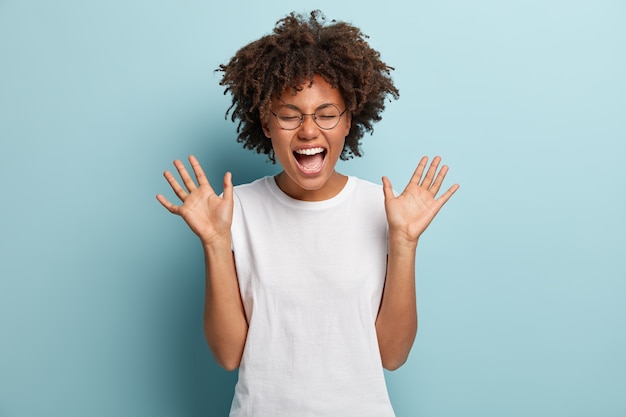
{"type": "Point", "coordinates": [310, 284]}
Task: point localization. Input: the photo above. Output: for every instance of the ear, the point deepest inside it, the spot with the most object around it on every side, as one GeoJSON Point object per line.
{"type": "Point", "coordinates": [348, 117]}
{"type": "Point", "coordinates": [266, 129]}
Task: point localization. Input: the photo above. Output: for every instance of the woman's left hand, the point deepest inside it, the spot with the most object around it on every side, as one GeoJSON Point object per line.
{"type": "Point", "coordinates": [410, 213]}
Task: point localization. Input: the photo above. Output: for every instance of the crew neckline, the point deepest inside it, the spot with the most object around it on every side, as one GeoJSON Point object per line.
{"type": "Point", "coordinates": [280, 195]}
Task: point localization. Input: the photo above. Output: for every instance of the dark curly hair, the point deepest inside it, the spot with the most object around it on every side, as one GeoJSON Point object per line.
{"type": "Point", "coordinates": [299, 48]}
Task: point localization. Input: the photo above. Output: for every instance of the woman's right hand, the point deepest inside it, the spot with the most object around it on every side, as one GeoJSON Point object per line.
{"type": "Point", "coordinates": [208, 215]}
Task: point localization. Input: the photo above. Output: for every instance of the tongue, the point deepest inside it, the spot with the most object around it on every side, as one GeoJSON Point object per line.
{"type": "Point", "coordinates": [311, 162]}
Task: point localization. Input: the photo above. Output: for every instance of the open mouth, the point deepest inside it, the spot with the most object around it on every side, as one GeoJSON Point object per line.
{"type": "Point", "coordinates": [310, 160]}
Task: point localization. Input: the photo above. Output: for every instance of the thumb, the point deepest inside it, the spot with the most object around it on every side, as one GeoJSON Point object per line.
{"type": "Point", "coordinates": [228, 187]}
{"type": "Point", "coordinates": [387, 189]}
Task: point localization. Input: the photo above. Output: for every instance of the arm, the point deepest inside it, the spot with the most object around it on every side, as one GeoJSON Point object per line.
{"type": "Point", "coordinates": [210, 218]}
{"type": "Point", "coordinates": [225, 324]}
{"type": "Point", "coordinates": [408, 216]}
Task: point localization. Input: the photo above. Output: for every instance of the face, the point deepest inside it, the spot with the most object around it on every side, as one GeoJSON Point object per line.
{"type": "Point", "coordinates": [308, 154]}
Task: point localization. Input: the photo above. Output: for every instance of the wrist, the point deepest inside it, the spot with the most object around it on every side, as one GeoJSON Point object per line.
{"type": "Point", "coordinates": [401, 244]}
{"type": "Point", "coordinates": [217, 242]}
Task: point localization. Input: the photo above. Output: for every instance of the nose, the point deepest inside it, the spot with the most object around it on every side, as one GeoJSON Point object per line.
{"type": "Point", "coordinates": [308, 129]}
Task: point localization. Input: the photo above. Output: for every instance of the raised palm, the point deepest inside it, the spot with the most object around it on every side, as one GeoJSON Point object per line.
{"type": "Point", "coordinates": [208, 215]}
{"type": "Point", "coordinates": [410, 213]}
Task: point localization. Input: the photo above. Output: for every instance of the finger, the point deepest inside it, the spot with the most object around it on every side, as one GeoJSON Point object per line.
{"type": "Point", "coordinates": [198, 171]}
{"type": "Point", "coordinates": [180, 192]}
{"type": "Point", "coordinates": [417, 174]}
{"type": "Point", "coordinates": [446, 196]}
{"type": "Point", "coordinates": [440, 177]}
{"type": "Point", "coordinates": [184, 175]}
{"type": "Point", "coordinates": [228, 187]}
{"type": "Point", "coordinates": [166, 203]}
{"type": "Point", "coordinates": [430, 174]}
{"type": "Point", "coordinates": [387, 189]}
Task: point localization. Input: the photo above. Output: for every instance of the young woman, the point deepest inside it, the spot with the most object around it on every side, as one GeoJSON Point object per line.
{"type": "Point", "coordinates": [310, 285]}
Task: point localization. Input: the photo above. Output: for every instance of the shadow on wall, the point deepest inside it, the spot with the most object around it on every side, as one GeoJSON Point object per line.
{"type": "Point", "coordinates": [193, 384]}
{"type": "Point", "coordinates": [199, 386]}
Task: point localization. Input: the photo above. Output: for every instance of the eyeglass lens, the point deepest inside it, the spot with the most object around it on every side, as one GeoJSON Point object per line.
{"type": "Point", "coordinates": [326, 117]}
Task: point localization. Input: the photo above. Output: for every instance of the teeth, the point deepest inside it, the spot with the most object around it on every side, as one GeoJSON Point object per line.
{"type": "Point", "coordinates": [309, 151]}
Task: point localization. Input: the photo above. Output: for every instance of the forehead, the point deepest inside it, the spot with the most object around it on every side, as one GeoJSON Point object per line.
{"type": "Point", "coordinates": [311, 94]}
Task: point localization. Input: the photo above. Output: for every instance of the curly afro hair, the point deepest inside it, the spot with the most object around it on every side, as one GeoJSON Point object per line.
{"type": "Point", "coordinates": [299, 48]}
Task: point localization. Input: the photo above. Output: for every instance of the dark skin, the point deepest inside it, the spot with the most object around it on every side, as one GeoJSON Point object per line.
{"type": "Point", "coordinates": [210, 217]}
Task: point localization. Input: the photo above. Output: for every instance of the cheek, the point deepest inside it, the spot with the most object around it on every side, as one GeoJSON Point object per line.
{"type": "Point", "coordinates": [280, 147]}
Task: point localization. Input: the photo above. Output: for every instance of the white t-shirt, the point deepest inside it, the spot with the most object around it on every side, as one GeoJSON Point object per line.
{"type": "Point", "coordinates": [311, 276]}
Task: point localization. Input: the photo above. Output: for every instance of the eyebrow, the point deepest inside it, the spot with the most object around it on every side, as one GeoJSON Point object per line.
{"type": "Point", "coordinates": [298, 108]}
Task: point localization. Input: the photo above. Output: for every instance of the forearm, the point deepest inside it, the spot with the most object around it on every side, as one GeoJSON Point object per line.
{"type": "Point", "coordinates": [396, 324]}
{"type": "Point", "coordinates": [225, 324]}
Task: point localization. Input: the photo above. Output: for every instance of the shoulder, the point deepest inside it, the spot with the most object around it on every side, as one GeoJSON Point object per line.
{"type": "Point", "coordinates": [255, 189]}
{"type": "Point", "coordinates": [367, 189]}
{"type": "Point", "coordinates": [367, 199]}
{"type": "Point", "coordinates": [367, 186]}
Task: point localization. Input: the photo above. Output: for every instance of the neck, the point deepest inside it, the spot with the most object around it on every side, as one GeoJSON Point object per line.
{"type": "Point", "coordinates": [333, 186]}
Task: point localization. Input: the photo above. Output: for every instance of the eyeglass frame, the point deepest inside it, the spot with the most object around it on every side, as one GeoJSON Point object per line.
{"type": "Point", "coordinates": [341, 113]}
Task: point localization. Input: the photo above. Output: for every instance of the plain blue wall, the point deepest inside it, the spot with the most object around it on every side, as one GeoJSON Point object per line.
{"type": "Point", "coordinates": [521, 279]}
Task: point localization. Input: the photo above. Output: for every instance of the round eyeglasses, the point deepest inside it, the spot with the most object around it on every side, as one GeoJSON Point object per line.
{"type": "Point", "coordinates": [326, 116]}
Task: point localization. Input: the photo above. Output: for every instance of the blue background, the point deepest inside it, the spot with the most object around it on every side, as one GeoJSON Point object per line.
{"type": "Point", "coordinates": [521, 279]}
